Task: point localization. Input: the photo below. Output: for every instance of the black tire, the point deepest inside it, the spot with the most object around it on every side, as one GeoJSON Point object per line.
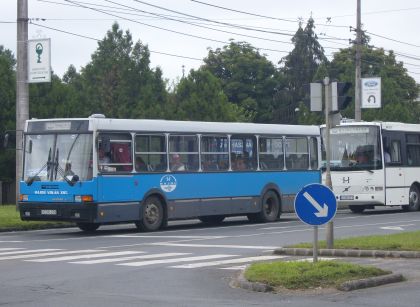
{"type": "Point", "coordinates": [357, 209]}
{"type": "Point", "coordinates": [414, 199]}
{"type": "Point", "coordinates": [270, 208]}
{"type": "Point", "coordinates": [212, 219]}
{"type": "Point", "coordinates": [152, 217]}
{"type": "Point", "coordinates": [88, 227]}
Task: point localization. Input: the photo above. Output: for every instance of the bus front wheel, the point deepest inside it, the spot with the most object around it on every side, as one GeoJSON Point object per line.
{"type": "Point", "coordinates": [88, 227]}
{"type": "Point", "coordinates": [414, 199]}
{"type": "Point", "coordinates": [152, 214]}
{"type": "Point", "coordinates": [270, 208]}
{"type": "Point", "coordinates": [357, 209]}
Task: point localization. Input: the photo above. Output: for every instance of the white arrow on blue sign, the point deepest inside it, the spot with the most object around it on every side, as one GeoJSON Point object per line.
{"type": "Point", "coordinates": [315, 204]}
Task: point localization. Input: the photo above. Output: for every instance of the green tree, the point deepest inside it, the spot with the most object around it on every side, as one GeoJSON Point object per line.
{"type": "Point", "coordinates": [248, 78]}
{"type": "Point", "coordinates": [399, 90]}
{"type": "Point", "coordinates": [200, 97]}
{"type": "Point", "coordinates": [302, 63]}
{"type": "Point", "coordinates": [8, 110]}
{"type": "Point", "coordinates": [119, 81]}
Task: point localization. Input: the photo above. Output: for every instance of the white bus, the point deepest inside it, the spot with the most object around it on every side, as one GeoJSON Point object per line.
{"type": "Point", "coordinates": [375, 164]}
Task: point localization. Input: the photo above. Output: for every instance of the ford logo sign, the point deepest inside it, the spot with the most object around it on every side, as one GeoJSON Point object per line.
{"type": "Point", "coordinates": [371, 83]}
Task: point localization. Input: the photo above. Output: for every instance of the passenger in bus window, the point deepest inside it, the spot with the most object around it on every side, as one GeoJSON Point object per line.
{"type": "Point", "coordinates": [387, 156]}
{"type": "Point", "coordinates": [140, 164]}
{"type": "Point", "coordinates": [176, 163]}
{"type": "Point", "coordinates": [239, 164]}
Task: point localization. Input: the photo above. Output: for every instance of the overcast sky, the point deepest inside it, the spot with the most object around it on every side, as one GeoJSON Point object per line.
{"type": "Point", "coordinates": [395, 20]}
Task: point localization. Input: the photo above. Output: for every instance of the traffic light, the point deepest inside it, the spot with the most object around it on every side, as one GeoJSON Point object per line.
{"type": "Point", "coordinates": [339, 98]}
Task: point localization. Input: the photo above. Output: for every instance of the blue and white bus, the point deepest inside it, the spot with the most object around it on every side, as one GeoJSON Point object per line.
{"type": "Point", "coordinates": [98, 170]}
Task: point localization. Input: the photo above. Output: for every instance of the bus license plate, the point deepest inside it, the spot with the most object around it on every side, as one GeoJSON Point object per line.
{"type": "Point", "coordinates": [48, 212]}
{"type": "Point", "coordinates": [346, 197]}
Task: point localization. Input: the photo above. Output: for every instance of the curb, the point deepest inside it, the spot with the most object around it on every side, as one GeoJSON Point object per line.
{"type": "Point", "coordinates": [241, 282]}
{"type": "Point", "coordinates": [370, 282]}
{"type": "Point", "coordinates": [347, 253]}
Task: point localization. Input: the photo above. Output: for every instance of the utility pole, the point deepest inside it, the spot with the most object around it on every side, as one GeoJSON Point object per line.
{"type": "Point", "coordinates": [22, 88]}
{"type": "Point", "coordinates": [357, 89]}
{"type": "Point", "coordinates": [328, 182]}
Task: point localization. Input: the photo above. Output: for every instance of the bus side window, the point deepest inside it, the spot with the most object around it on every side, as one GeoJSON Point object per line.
{"type": "Point", "coordinates": [395, 152]}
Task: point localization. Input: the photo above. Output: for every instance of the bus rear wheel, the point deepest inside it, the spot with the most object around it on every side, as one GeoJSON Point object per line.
{"type": "Point", "coordinates": [152, 215]}
{"type": "Point", "coordinates": [270, 208]}
{"type": "Point", "coordinates": [414, 199]}
{"type": "Point", "coordinates": [357, 209]}
{"type": "Point", "coordinates": [88, 227]}
{"type": "Point", "coordinates": [212, 219]}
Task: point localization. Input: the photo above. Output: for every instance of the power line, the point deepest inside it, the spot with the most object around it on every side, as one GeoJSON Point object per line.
{"type": "Point", "coordinates": [98, 40]}
{"type": "Point", "coordinates": [258, 15]}
{"type": "Point", "coordinates": [392, 39]}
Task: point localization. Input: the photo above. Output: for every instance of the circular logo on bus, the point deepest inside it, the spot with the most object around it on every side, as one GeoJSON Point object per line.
{"type": "Point", "coordinates": [168, 183]}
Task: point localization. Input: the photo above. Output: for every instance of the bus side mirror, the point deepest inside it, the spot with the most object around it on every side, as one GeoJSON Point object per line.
{"type": "Point", "coordinates": [9, 140]}
{"type": "Point", "coordinates": [30, 146]}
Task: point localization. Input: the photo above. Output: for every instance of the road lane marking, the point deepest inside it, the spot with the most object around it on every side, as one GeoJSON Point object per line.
{"type": "Point", "coordinates": [3, 249]}
{"type": "Point", "coordinates": [88, 256]}
{"type": "Point", "coordinates": [184, 259]}
{"type": "Point", "coordinates": [229, 261]}
{"type": "Point", "coordinates": [214, 245]}
{"type": "Point", "coordinates": [149, 256]}
{"type": "Point", "coordinates": [36, 255]}
{"type": "Point", "coordinates": [28, 251]}
{"type": "Point", "coordinates": [168, 237]}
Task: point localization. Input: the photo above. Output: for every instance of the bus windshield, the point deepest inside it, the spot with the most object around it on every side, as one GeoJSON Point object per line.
{"type": "Point", "coordinates": [354, 148]}
{"type": "Point", "coordinates": [58, 157]}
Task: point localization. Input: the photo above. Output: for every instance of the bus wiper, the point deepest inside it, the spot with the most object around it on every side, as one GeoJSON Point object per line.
{"type": "Point", "coordinates": [58, 169]}
{"type": "Point", "coordinates": [47, 165]}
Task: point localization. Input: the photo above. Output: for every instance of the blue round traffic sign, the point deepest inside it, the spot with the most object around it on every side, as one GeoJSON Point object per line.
{"type": "Point", "coordinates": [315, 204]}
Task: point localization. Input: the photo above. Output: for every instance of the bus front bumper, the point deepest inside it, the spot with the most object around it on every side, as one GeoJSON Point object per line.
{"type": "Point", "coordinates": [65, 212]}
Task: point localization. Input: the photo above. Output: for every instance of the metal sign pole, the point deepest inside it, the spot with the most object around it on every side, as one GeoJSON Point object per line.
{"type": "Point", "coordinates": [315, 247]}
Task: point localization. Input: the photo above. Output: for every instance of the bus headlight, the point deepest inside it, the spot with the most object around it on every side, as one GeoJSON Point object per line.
{"type": "Point", "coordinates": [23, 197]}
{"type": "Point", "coordinates": [83, 198]}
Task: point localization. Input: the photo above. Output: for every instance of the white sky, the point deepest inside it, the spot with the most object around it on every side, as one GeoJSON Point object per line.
{"type": "Point", "coordinates": [398, 20]}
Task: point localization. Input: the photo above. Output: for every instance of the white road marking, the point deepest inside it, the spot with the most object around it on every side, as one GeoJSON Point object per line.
{"type": "Point", "coordinates": [215, 245]}
{"type": "Point", "coordinates": [11, 241]}
{"type": "Point", "coordinates": [185, 259]}
{"type": "Point", "coordinates": [399, 227]}
{"type": "Point", "coordinates": [88, 256]}
{"type": "Point", "coordinates": [9, 248]}
{"type": "Point", "coordinates": [36, 255]}
{"type": "Point", "coordinates": [28, 251]}
{"type": "Point", "coordinates": [168, 237]}
{"type": "Point", "coordinates": [236, 268]}
{"type": "Point", "coordinates": [229, 261]}
{"type": "Point", "coordinates": [149, 256]}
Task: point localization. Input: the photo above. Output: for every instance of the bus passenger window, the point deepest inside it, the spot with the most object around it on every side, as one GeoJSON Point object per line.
{"type": "Point", "coordinates": [214, 153]}
{"type": "Point", "coordinates": [114, 152]}
{"type": "Point", "coordinates": [151, 153]}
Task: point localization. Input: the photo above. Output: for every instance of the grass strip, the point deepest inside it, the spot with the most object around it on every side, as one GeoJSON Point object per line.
{"type": "Point", "coordinates": [10, 220]}
{"type": "Point", "coordinates": [296, 275]}
{"type": "Point", "coordinates": [404, 241]}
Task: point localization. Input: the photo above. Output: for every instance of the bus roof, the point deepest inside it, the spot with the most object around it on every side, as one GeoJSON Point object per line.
{"type": "Point", "coordinates": [392, 126]}
{"type": "Point", "coordinates": [157, 125]}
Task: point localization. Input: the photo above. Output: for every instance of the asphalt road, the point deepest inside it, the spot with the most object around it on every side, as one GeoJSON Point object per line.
{"type": "Point", "coordinates": [188, 264]}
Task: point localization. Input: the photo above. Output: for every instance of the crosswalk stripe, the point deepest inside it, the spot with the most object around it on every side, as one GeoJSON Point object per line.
{"type": "Point", "coordinates": [9, 248]}
{"type": "Point", "coordinates": [6, 255]}
{"type": "Point", "coordinates": [28, 251]}
{"type": "Point", "coordinates": [236, 268]}
{"type": "Point", "coordinates": [229, 261]}
{"type": "Point", "coordinates": [151, 256]}
{"type": "Point", "coordinates": [36, 255]}
{"type": "Point", "coordinates": [215, 245]}
{"type": "Point", "coordinates": [185, 259]}
{"type": "Point", "coordinates": [167, 237]}
{"type": "Point", "coordinates": [88, 256]}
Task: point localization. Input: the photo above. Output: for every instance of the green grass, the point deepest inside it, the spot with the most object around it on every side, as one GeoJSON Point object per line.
{"type": "Point", "coordinates": [10, 220]}
{"type": "Point", "coordinates": [307, 275]}
{"type": "Point", "coordinates": [404, 241]}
